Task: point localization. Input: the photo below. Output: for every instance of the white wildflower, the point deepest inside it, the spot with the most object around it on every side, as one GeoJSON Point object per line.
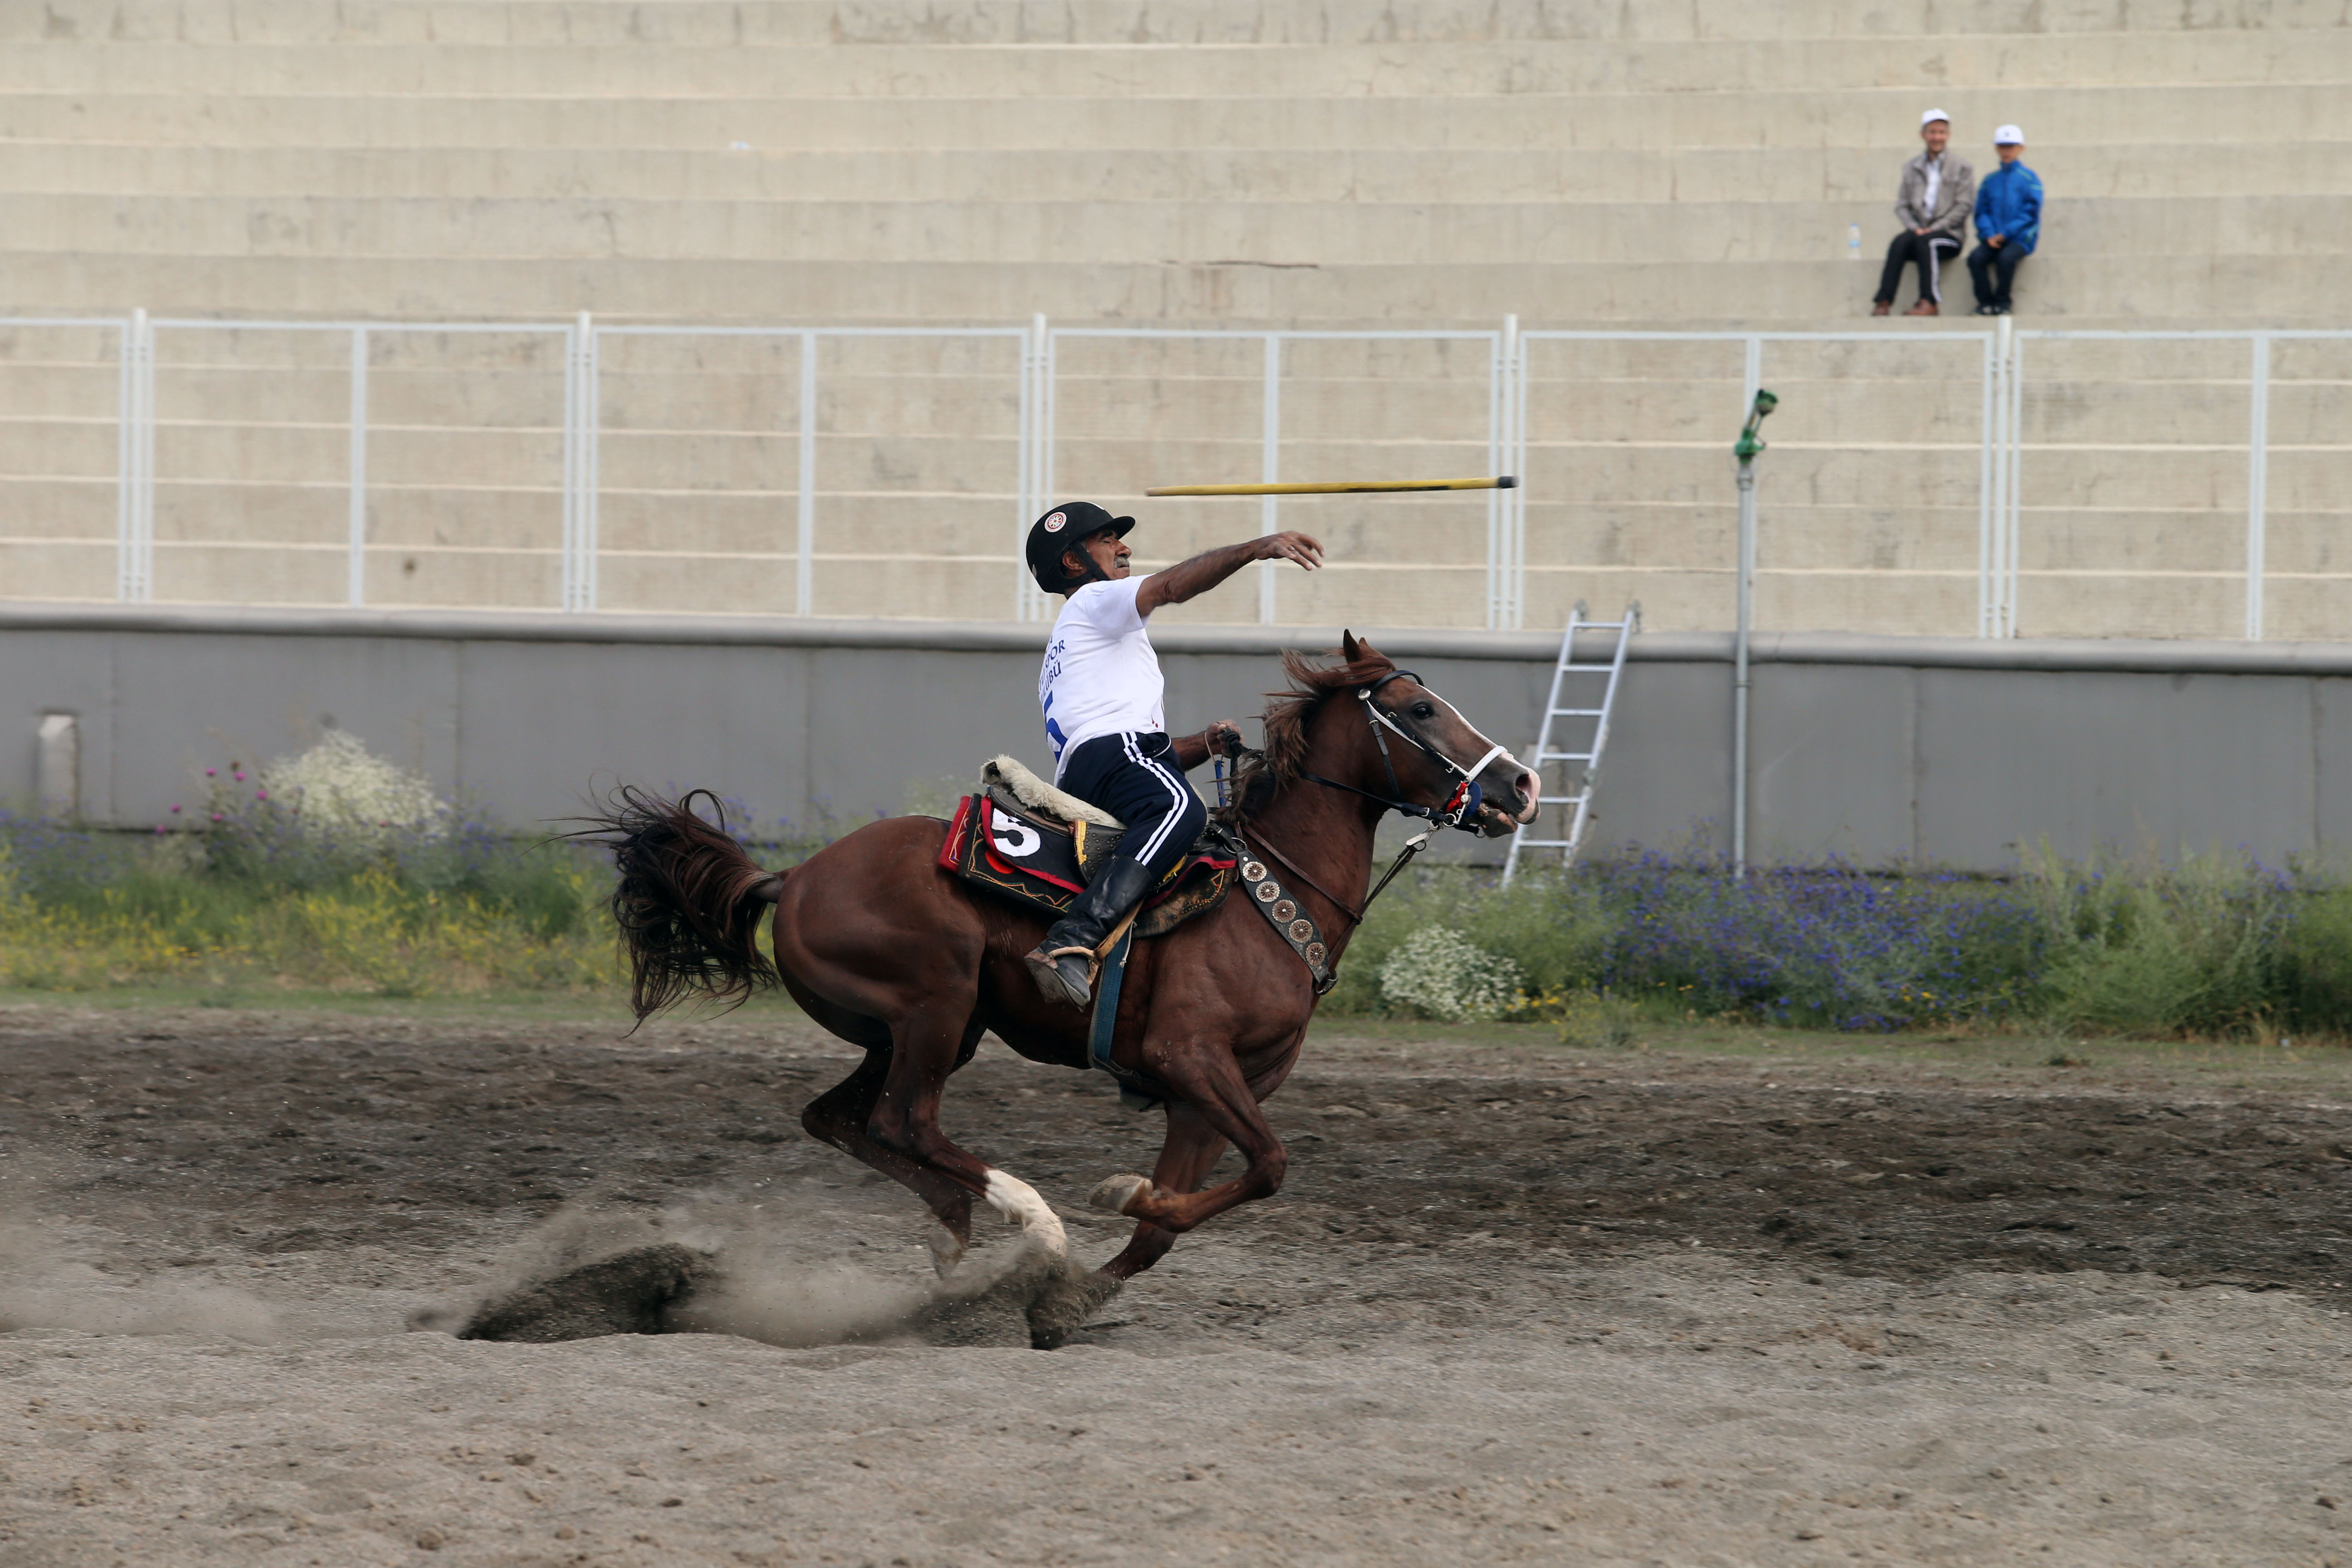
{"type": "Point", "coordinates": [1440, 973]}
{"type": "Point", "coordinates": [337, 787]}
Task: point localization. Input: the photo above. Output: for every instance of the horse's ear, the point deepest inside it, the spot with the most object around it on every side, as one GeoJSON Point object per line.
{"type": "Point", "coordinates": [1349, 648]}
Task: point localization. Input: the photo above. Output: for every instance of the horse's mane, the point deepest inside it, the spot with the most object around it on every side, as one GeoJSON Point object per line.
{"type": "Point", "coordinates": [1261, 776]}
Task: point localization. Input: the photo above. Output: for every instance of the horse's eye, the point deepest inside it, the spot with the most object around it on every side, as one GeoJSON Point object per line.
{"type": "Point", "coordinates": [1423, 710]}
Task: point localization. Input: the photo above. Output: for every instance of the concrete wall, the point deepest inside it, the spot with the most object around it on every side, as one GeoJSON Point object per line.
{"type": "Point", "coordinates": [1878, 748]}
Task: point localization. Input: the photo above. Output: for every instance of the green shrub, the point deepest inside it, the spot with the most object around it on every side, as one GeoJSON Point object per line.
{"type": "Point", "coordinates": [2315, 964]}
{"type": "Point", "coordinates": [2156, 949]}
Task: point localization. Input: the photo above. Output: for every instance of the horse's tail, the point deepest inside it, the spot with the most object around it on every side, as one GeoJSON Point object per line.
{"type": "Point", "coordinates": [688, 902]}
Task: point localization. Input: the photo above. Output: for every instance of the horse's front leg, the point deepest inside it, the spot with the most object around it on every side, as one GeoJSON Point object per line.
{"type": "Point", "coordinates": [1185, 1159]}
{"type": "Point", "coordinates": [1213, 1089]}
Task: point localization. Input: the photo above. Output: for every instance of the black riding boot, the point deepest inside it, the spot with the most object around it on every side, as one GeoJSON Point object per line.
{"type": "Point", "coordinates": [1063, 962]}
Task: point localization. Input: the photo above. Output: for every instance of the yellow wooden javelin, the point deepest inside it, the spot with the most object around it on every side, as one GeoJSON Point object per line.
{"type": "Point", "coordinates": [1339, 487]}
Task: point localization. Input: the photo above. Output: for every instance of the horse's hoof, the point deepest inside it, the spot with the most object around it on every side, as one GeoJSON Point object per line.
{"type": "Point", "coordinates": [1117, 1192]}
{"type": "Point", "coordinates": [1063, 1303]}
{"type": "Point", "coordinates": [946, 1252]}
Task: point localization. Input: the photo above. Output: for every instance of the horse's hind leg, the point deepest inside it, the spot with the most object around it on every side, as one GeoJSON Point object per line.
{"type": "Point", "coordinates": [1186, 1159]}
{"type": "Point", "coordinates": [839, 1116]}
{"type": "Point", "coordinates": [906, 1119]}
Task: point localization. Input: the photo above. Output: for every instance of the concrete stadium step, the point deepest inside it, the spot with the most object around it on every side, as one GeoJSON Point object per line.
{"type": "Point", "coordinates": [525, 459]}
{"type": "Point", "coordinates": [1788, 63]}
{"type": "Point", "coordinates": [691, 524]}
{"type": "Point", "coordinates": [1568, 415]}
{"type": "Point", "coordinates": [2057, 290]}
{"type": "Point", "coordinates": [1111, 234]}
{"type": "Point", "coordinates": [59, 508]}
{"type": "Point", "coordinates": [979, 588]}
{"type": "Point", "coordinates": [1567, 531]}
{"type": "Point", "coordinates": [2104, 605]}
{"type": "Point", "coordinates": [49, 569]}
{"type": "Point", "coordinates": [729, 23]}
{"type": "Point", "coordinates": [1239, 176]}
{"type": "Point", "coordinates": [2118, 114]}
{"type": "Point", "coordinates": [218, 574]}
{"type": "Point", "coordinates": [2310, 542]}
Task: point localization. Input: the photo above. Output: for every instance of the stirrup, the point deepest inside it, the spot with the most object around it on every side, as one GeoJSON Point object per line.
{"type": "Point", "coordinates": [1094, 961]}
{"type": "Point", "coordinates": [1053, 985]}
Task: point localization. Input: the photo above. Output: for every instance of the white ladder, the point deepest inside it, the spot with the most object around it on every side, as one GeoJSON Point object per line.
{"type": "Point", "coordinates": [1582, 768]}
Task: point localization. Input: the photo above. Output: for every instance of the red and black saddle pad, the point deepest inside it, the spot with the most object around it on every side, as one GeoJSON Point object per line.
{"type": "Point", "coordinates": [1032, 858]}
{"type": "Point", "coordinates": [1036, 859]}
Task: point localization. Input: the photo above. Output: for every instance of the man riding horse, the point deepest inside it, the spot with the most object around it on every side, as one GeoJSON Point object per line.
{"type": "Point", "coordinates": [883, 944]}
{"type": "Point", "coordinates": [1100, 690]}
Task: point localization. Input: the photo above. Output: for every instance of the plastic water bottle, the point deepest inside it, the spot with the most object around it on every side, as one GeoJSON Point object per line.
{"type": "Point", "coordinates": [1854, 242]}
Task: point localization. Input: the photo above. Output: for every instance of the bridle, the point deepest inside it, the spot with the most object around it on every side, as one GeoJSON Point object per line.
{"type": "Point", "coordinates": [1460, 810]}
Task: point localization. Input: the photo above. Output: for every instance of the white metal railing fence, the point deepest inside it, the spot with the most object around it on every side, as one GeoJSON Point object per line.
{"type": "Point", "coordinates": [1038, 408]}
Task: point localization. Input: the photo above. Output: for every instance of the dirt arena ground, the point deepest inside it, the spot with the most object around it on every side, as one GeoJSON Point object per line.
{"type": "Point", "coordinates": [1724, 1303]}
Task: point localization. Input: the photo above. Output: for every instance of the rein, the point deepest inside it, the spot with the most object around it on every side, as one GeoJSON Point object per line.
{"type": "Point", "coordinates": [1458, 811]}
{"type": "Point", "coordinates": [1413, 847]}
{"type": "Point", "coordinates": [1461, 808]}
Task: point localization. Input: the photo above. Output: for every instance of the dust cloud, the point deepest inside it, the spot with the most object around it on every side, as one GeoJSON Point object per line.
{"type": "Point", "coordinates": [716, 1266]}
{"type": "Point", "coordinates": [44, 1286]}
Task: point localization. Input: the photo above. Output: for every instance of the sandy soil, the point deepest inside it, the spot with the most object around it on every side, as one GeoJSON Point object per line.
{"type": "Point", "coordinates": [1515, 1304]}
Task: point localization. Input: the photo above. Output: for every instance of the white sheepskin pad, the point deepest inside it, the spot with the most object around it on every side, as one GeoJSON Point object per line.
{"type": "Point", "coordinates": [1038, 796]}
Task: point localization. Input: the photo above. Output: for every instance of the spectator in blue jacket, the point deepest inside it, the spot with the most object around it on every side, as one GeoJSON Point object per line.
{"type": "Point", "coordinates": [2008, 221]}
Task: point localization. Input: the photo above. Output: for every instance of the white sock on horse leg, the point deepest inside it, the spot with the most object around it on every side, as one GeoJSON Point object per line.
{"type": "Point", "coordinates": [1018, 1201]}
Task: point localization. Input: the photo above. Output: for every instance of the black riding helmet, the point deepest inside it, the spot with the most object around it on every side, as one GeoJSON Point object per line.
{"type": "Point", "coordinates": [1064, 528]}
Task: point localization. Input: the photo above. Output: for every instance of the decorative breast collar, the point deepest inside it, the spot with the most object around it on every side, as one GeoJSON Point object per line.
{"type": "Point", "coordinates": [1291, 921]}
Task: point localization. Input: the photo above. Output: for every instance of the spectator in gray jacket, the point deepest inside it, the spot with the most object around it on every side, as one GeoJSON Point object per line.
{"type": "Point", "coordinates": [1937, 193]}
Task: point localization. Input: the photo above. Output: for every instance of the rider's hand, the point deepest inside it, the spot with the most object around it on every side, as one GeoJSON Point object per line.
{"type": "Point", "coordinates": [1224, 738]}
{"type": "Point", "coordinates": [1302, 548]}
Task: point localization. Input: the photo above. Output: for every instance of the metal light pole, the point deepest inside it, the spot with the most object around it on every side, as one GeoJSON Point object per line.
{"type": "Point", "coordinates": [1745, 450]}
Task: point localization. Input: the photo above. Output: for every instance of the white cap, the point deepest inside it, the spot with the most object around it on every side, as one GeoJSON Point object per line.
{"type": "Point", "coordinates": [2009, 136]}
{"type": "Point", "coordinates": [1932, 116]}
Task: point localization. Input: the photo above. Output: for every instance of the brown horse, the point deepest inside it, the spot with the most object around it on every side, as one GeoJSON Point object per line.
{"type": "Point", "coordinates": [886, 950]}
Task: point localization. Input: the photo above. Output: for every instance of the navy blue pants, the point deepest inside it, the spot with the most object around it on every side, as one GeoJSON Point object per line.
{"type": "Point", "coordinates": [1134, 777]}
{"type": "Point", "coordinates": [1994, 272]}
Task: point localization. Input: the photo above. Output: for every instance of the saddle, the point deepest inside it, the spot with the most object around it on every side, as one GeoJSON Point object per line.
{"type": "Point", "coordinates": [1023, 839]}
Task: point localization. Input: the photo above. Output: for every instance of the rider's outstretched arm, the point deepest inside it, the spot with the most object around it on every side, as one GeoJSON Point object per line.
{"type": "Point", "coordinates": [1189, 579]}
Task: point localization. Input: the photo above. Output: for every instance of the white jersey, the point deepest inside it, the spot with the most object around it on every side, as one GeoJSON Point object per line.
{"type": "Point", "coordinates": [1100, 675]}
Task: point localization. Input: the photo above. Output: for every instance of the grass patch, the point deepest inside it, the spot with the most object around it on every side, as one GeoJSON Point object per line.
{"type": "Point", "coordinates": [162, 916]}
{"type": "Point", "coordinates": [333, 873]}
{"type": "Point", "coordinates": [329, 873]}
